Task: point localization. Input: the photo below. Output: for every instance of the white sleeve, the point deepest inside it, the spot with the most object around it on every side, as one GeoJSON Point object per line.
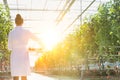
{"type": "Point", "coordinates": [9, 41]}
{"type": "Point", "coordinates": [35, 38]}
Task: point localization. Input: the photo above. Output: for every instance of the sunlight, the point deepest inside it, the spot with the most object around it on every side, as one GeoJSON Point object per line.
{"type": "Point", "coordinates": [50, 38]}
{"type": "Point", "coordinates": [47, 32]}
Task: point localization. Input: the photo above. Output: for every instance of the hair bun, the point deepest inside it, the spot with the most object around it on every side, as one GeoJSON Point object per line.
{"type": "Point", "coordinates": [18, 19]}
{"type": "Point", "coordinates": [18, 16]}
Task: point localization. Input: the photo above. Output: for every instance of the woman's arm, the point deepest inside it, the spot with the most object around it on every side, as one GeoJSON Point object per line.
{"type": "Point", "coordinates": [10, 41]}
{"type": "Point", "coordinates": [35, 38]}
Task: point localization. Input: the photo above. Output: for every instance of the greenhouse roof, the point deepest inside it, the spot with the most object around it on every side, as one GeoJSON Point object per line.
{"type": "Point", "coordinates": [61, 15]}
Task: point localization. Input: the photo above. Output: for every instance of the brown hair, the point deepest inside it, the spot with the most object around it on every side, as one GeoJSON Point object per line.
{"type": "Point", "coordinates": [18, 19]}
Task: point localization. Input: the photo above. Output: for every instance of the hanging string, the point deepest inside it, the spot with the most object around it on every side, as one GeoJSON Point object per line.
{"type": "Point", "coordinates": [30, 13]}
{"type": "Point", "coordinates": [45, 5]}
{"type": "Point", "coordinates": [59, 4]}
{"type": "Point", "coordinates": [81, 12]}
{"type": "Point", "coordinates": [31, 4]}
{"type": "Point", "coordinates": [17, 6]}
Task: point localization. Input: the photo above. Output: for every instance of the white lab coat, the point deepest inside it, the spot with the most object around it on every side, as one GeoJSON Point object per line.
{"type": "Point", "coordinates": [17, 43]}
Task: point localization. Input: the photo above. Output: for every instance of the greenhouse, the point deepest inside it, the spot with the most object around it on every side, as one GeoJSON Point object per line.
{"type": "Point", "coordinates": [65, 39]}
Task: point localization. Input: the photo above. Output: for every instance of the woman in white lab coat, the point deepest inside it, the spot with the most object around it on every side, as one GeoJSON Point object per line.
{"type": "Point", "coordinates": [17, 43]}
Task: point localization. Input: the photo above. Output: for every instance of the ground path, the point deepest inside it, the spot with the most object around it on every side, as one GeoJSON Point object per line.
{"type": "Point", "coordinates": [36, 76]}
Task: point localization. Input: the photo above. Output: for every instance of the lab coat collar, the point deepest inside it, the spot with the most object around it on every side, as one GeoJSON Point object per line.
{"type": "Point", "coordinates": [18, 27]}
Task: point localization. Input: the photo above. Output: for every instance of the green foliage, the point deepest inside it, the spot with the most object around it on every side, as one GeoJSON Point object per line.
{"type": "Point", "coordinates": [106, 24]}
{"type": "Point", "coordinates": [99, 35]}
{"type": "Point", "coordinates": [5, 27]}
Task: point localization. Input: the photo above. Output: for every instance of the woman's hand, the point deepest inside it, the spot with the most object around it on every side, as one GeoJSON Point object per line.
{"type": "Point", "coordinates": [36, 49]}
